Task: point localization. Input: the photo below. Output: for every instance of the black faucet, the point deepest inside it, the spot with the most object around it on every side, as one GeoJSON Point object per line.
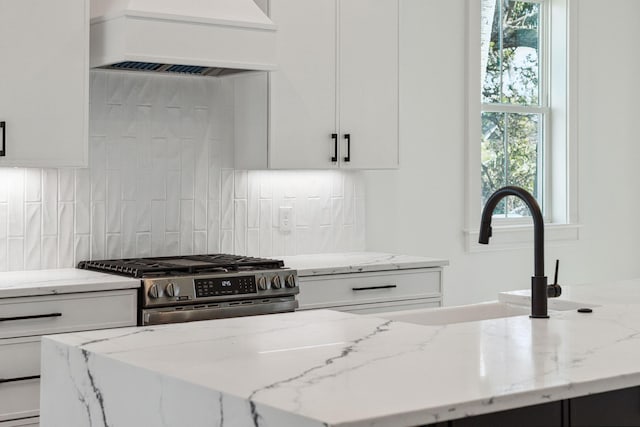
{"type": "Point", "coordinates": [539, 288]}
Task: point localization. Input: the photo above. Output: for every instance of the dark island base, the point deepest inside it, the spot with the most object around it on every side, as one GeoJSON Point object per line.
{"type": "Point", "coordinates": [617, 408]}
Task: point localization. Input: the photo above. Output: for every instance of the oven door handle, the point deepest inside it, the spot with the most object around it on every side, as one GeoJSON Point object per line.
{"type": "Point", "coordinates": [164, 316]}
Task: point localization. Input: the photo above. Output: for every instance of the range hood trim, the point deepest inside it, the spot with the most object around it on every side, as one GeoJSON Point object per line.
{"type": "Point", "coordinates": [183, 18]}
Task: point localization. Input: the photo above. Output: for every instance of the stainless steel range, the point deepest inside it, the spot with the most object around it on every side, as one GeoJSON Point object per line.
{"type": "Point", "coordinates": [201, 287]}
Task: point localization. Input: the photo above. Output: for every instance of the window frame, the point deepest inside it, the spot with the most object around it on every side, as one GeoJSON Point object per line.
{"type": "Point", "coordinates": [560, 146]}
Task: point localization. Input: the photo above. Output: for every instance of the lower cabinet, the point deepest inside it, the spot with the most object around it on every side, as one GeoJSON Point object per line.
{"type": "Point", "coordinates": [19, 383]}
{"type": "Point", "coordinates": [613, 408]}
{"type": "Point", "coordinates": [546, 414]}
{"type": "Point", "coordinates": [372, 292]}
{"type": "Point", "coordinates": [24, 320]}
{"type": "Point", "coordinates": [618, 408]}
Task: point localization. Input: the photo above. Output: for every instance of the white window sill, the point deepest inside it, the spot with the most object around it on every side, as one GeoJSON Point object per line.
{"type": "Point", "coordinates": [507, 237]}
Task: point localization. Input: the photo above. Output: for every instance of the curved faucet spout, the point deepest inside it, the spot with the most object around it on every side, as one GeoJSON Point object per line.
{"type": "Point", "coordinates": [536, 213]}
{"type": "Point", "coordinates": [538, 281]}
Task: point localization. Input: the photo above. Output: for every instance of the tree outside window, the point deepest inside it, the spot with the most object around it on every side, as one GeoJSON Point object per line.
{"type": "Point", "coordinates": [513, 101]}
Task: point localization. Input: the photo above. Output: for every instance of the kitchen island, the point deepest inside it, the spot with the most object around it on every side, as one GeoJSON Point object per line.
{"type": "Point", "coordinates": [326, 368]}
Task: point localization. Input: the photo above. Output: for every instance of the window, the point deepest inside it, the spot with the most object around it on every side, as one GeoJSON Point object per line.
{"type": "Point", "coordinates": [521, 115]}
{"type": "Point", "coordinates": [514, 109]}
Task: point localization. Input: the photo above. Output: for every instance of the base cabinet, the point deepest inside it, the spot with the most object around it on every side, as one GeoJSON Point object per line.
{"type": "Point", "coordinates": [372, 292]}
{"type": "Point", "coordinates": [547, 414]}
{"type": "Point", "coordinates": [613, 408]}
{"type": "Point", "coordinates": [616, 408]}
{"type": "Point", "coordinates": [24, 320]}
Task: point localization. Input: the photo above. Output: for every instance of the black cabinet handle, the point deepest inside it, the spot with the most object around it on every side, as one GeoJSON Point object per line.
{"type": "Point", "coordinates": [347, 136]}
{"type": "Point", "coordinates": [3, 138]}
{"type": "Point", "coordinates": [370, 288]}
{"type": "Point", "coordinates": [334, 136]}
{"type": "Point", "coordinates": [13, 380]}
{"type": "Point", "coordinates": [35, 316]}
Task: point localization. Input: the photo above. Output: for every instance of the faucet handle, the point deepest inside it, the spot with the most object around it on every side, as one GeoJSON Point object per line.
{"type": "Point", "coordinates": [554, 290]}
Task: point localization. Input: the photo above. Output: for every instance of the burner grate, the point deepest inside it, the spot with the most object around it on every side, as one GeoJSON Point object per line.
{"type": "Point", "coordinates": [178, 265]}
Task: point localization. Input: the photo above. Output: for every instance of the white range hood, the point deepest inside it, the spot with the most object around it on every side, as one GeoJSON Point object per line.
{"type": "Point", "coordinates": [201, 37]}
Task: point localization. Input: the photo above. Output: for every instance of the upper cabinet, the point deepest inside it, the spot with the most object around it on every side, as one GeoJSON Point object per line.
{"type": "Point", "coordinates": [44, 52]}
{"type": "Point", "coordinates": [333, 102]}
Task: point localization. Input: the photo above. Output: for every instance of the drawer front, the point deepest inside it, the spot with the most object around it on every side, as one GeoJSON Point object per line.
{"type": "Point", "coordinates": [365, 288]}
{"type": "Point", "coordinates": [20, 399]}
{"type": "Point", "coordinates": [19, 358]}
{"type": "Point", "coordinates": [19, 391]}
{"type": "Point", "coordinates": [30, 316]}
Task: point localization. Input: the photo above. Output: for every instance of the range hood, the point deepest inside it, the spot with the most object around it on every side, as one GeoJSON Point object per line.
{"type": "Point", "coordinates": [195, 37]}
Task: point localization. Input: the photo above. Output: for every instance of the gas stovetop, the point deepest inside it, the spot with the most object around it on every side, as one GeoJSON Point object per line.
{"type": "Point", "coordinates": [181, 265]}
{"type": "Point", "coordinates": [204, 287]}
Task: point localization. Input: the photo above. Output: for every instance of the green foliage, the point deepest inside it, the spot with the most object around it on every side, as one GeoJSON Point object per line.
{"type": "Point", "coordinates": [510, 141]}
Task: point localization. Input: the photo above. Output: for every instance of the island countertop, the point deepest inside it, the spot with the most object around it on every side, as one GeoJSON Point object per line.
{"type": "Point", "coordinates": [325, 368]}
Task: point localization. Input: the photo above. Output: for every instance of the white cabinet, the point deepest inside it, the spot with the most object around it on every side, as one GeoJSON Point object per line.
{"type": "Point", "coordinates": [368, 82]}
{"type": "Point", "coordinates": [333, 102]}
{"type": "Point", "coordinates": [372, 292]}
{"type": "Point", "coordinates": [41, 315]}
{"type": "Point", "coordinates": [44, 82]}
{"type": "Point", "coordinates": [23, 320]}
{"type": "Point", "coordinates": [19, 382]}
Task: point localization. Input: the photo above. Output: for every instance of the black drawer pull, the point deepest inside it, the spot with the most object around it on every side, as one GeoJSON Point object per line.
{"type": "Point", "coordinates": [3, 138]}
{"type": "Point", "coordinates": [334, 136]}
{"type": "Point", "coordinates": [13, 380]}
{"type": "Point", "coordinates": [35, 316]}
{"type": "Point", "coordinates": [370, 288]}
{"type": "Point", "coordinates": [347, 136]}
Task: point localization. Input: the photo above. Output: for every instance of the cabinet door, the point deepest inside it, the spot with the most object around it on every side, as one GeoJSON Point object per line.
{"type": "Point", "coordinates": [543, 415]}
{"type": "Point", "coordinates": [368, 83]}
{"type": "Point", "coordinates": [614, 408]}
{"type": "Point", "coordinates": [303, 89]}
{"type": "Point", "coordinates": [44, 81]}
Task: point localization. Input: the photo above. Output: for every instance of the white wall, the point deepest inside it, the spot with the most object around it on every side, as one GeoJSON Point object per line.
{"type": "Point", "coordinates": [419, 209]}
{"type": "Point", "coordinates": [161, 181]}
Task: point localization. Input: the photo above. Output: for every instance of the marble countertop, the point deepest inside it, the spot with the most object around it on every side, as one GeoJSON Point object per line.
{"type": "Point", "coordinates": [60, 281]}
{"type": "Point", "coordinates": [326, 368]}
{"type": "Point", "coordinates": [357, 262]}
{"type": "Point", "coordinates": [67, 280]}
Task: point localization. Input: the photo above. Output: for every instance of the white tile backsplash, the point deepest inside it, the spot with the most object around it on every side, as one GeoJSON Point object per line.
{"type": "Point", "coordinates": [161, 182]}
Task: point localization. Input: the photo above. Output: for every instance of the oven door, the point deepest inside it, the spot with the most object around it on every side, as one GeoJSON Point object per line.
{"type": "Point", "coordinates": [190, 313]}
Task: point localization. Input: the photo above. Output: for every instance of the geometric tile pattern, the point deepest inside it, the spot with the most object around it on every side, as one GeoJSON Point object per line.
{"type": "Point", "coordinates": [161, 181]}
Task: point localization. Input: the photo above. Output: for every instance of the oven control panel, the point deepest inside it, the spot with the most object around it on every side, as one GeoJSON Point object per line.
{"type": "Point", "coordinates": [209, 288]}
{"type": "Point", "coordinates": [217, 286]}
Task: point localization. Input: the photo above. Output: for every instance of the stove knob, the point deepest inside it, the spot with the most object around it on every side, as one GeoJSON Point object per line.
{"type": "Point", "coordinates": [290, 282]}
{"type": "Point", "coordinates": [262, 283]}
{"type": "Point", "coordinates": [276, 283]}
{"type": "Point", "coordinates": [155, 292]}
{"type": "Point", "coordinates": [172, 290]}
